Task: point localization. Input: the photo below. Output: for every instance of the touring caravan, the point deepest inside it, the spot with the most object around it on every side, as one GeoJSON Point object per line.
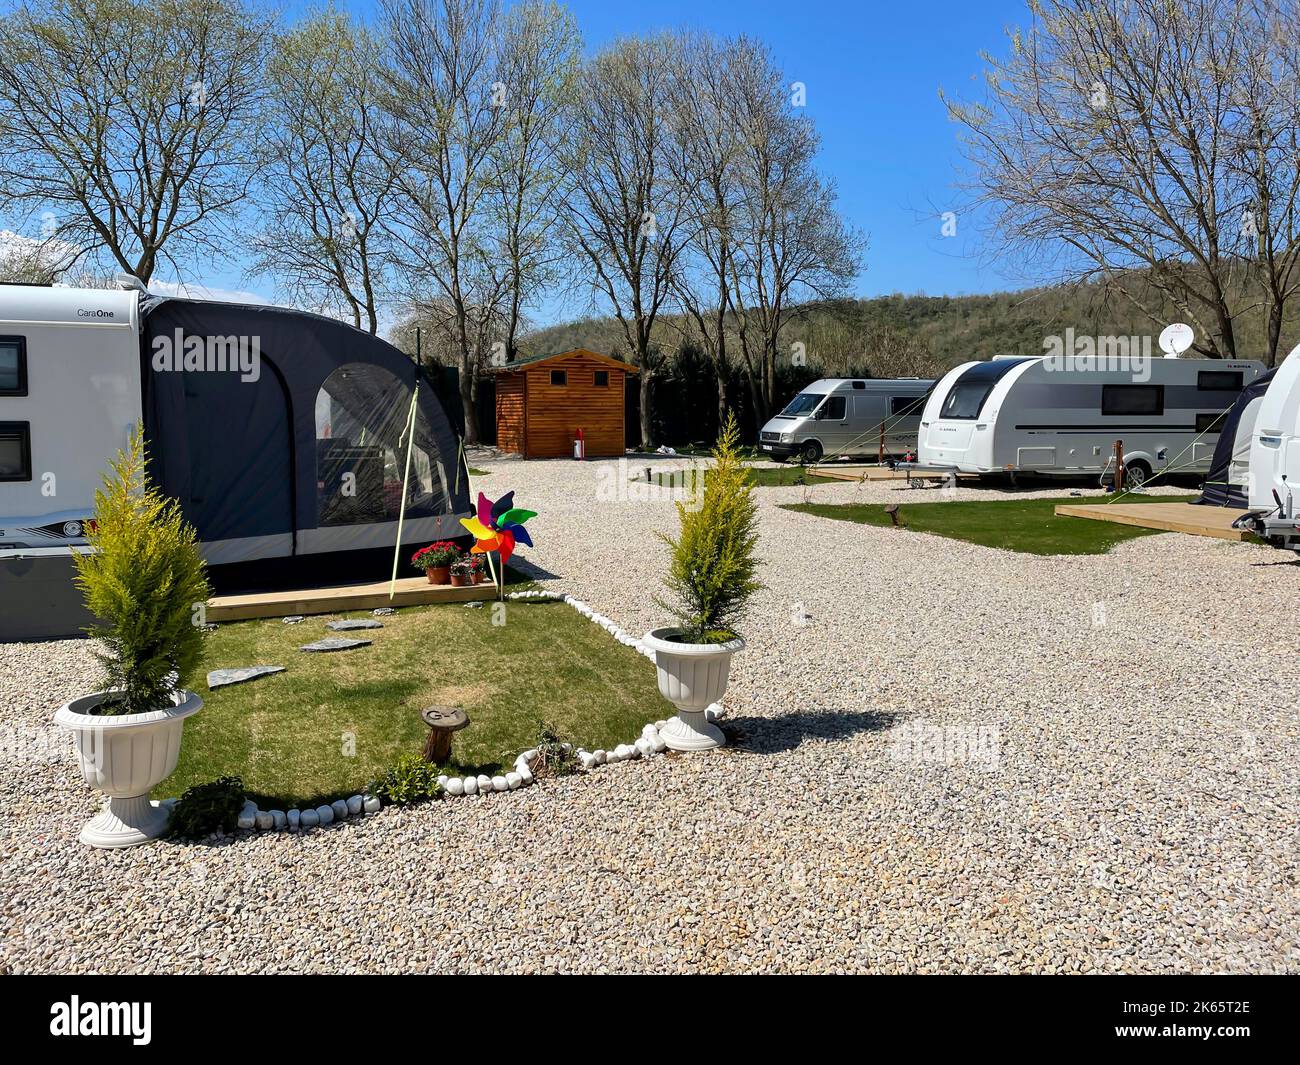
{"type": "Point", "coordinates": [838, 416]}
{"type": "Point", "coordinates": [282, 435]}
{"type": "Point", "coordinates": [1057, 417]}
{"type": "Point", "coordinates": [1273, 480]}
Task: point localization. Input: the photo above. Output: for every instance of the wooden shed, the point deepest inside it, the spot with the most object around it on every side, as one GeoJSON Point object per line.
{"type": "Point", "coordinates": [543, 401]}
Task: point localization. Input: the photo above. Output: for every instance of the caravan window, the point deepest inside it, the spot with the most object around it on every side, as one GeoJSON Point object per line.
{"type": "Point", "coordinates": [15, 451]}
{"type": "Point", "coordinates": [1132, 399]}
{"type": "Point", "coordinates": [361, 416]}
{"type": "Point", "coordinates": [1219, 380]}
{"type": "Point", "coordinates": [1210, 423]}
{"type": "Point", "coordinates": [13, 366]}
{"type": "Point", "coordinates": [965, 399]}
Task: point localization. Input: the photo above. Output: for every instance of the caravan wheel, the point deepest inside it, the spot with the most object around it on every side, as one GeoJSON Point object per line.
{"type": "Point", "coordinates": [1136, 474]}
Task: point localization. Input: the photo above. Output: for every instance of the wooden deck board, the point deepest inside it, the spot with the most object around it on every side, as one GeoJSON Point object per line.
{"type": "Point", "coordinates": [411, 591]}
{"type": "Point", "coordinates": [1171, 517]}
{"type": "Point", "coordinates": [877, 473]}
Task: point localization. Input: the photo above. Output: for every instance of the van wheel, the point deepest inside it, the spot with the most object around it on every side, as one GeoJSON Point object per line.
{"type": "Point", "coordinates": [811, 453]}
{"type": "Point", "coordinates": [1136, 474]}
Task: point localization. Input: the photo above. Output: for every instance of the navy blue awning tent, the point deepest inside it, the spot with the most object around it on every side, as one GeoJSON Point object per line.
{"type": "Point", "coordinates": [306, 452]}
{"type": "Point", "coordinates": [1223, 486]}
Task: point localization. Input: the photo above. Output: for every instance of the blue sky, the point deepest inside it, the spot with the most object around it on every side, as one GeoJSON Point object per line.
{"type": "Point", "coordinates": [873, 73]}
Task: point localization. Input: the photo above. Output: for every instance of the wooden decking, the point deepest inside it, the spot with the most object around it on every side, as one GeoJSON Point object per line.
{"type": "Point", "coordinates": [1172, 517]}
{"type": "Point", "coordinates": [878, 473]}
{"type": "Point", "coordinates": [410, 591]}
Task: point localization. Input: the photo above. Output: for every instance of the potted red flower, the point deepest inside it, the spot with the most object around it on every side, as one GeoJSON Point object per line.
{"type": "Point", "coordinates": [462, 571]}
{"type": "Point", "coordinates": [436, 561]}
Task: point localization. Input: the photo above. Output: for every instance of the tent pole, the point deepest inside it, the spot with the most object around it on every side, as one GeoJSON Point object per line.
{"type": "Point", "coordinates": [406, 481]}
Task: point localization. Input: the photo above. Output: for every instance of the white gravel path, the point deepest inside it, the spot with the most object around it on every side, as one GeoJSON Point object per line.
{"type": "Point", "coordinates": [1128, 801]}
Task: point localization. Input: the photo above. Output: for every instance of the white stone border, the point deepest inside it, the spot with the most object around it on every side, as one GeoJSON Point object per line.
{"type": "Point", "coordinates": [648, 744]}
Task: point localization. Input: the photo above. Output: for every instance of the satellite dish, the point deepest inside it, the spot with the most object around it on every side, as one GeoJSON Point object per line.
{"type": "Point", "coordinates": [1176, 338]}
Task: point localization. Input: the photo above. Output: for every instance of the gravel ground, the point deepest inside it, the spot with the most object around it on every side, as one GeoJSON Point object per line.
{"type": "Point", "coordinates": [947, 758]}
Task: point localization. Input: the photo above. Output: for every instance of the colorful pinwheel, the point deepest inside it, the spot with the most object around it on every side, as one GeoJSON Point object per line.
{"type": "Point", "coordinates": [498, 527]}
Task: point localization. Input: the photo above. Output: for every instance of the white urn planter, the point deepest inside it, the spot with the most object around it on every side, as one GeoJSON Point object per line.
{"type": "Point", "coordinates": [124, 756]}
{"type": "Point", "coordinates": [692, 676]}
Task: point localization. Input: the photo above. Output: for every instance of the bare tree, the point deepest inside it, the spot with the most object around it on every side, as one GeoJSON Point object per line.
{"type": "Point", "coordinates": [624, 207]}
{"type": "Point", "coordinates": [1142, 135]}
{"type": "Point", "coordinates": [446, 125]}
{"type": "Point", "coordinates": [538, 61]}
{"type": "Point", "coordinates": [130, 125]}
{"type": "Point", "coordinates": [327, 189]}
{"type": "Point", "coordinates": [791, 245]}
{"type": "Point", "coordinates": [709, 156]}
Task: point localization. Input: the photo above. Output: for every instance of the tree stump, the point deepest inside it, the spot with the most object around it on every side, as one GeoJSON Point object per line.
{"type": "Point", "coordinates": [442, 722]}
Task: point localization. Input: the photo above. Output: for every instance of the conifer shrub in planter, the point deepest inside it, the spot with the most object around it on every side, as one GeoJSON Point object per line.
{"type": "Point", "coordinates": [144, 581]}
{"type": "Point", "coordinates": [712, 575]}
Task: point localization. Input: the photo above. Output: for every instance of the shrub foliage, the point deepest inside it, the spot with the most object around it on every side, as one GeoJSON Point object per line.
{"type": "Point", "coordinates": [713, 563]}
{"type": "Point", "coordinates": [143, 580]}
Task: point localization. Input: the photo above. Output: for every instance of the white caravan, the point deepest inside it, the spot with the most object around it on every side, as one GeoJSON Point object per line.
{"type": "Point", "coordinates": [1273, 485]}
{"type": "Point", "coordinates": [1062, 417]}
{"type": "Point", "coordinates": [60, 418]}
{"type": "Point", "coordinates": [845, 416]}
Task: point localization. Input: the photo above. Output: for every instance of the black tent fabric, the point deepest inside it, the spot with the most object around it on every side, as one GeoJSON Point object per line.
{"type": "Point", "coordinates": [1234, 444]}
{"type": "Point", "coordinates": [283, 433]}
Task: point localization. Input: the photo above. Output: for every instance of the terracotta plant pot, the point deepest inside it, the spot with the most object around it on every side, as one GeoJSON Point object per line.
{"type": "Point", "coordinates": [479, 578]}
{"type": "Point", "coordinates": [459, 580]}
{"type": "Point", "coordinates": [438, 574]}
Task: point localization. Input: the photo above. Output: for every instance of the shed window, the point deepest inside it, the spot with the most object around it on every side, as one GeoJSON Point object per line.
{"type": "Point", "coordinates": [13, 366]}
{"type": "Point", "coordinates": [1132, 399]}
{"type": "Point", "coordinates": [15, 451]}
{"type": "Point", "coordinates": [1219, 380]}
{"type": "Point", "coordinates": [602, 379]}
{"type": "Point", "coordinates": [559, 377]}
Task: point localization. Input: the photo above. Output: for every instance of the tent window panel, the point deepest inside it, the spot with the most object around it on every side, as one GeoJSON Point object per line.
{"type": "Point", "coordinates": [15, 451]}
{"type": "Point", "coordinates": [13, 366]}
{"type": "Point", "coordinates": [361, 448]}
{"type": "Point", "coordinates": [1219, 381]}
{"type": "Point", "coordinates": [1132, 399]}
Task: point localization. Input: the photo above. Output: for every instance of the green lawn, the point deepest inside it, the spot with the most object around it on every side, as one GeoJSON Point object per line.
{"type": "Point", "coordinates": [323, 729]}
{"type": "Point", "coordinates": [1026, 525]}
{"type": "Point", "coordinates": [765, 477]}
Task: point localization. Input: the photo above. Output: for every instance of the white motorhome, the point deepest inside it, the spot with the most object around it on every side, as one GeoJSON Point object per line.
{"type": "Point", "coordinates": [1058, 417]}
{"type": "Point", "coordinates": [1273, 483]}
{"type": "Point", "coordinates": [846, 416]}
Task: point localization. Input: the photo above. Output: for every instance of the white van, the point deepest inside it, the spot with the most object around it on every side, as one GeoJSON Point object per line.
{"type": "Point", "coordinates": [844, 416]}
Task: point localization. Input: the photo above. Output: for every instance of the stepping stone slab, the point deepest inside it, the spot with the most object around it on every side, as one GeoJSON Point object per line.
{"type": "Point", "coordinates": [221, 678]}
{"type": "Point", "coordinates": [334, 643]}
{"type": "Point", "coordinates": [348, 626]}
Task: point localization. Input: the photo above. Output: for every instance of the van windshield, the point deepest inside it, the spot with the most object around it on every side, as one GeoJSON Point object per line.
{"type": "Point", "coordinates": [803, 403]}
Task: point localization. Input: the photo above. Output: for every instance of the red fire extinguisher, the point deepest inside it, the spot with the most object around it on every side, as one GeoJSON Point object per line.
{"type": "Point", "coordinates": [580, 447]}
